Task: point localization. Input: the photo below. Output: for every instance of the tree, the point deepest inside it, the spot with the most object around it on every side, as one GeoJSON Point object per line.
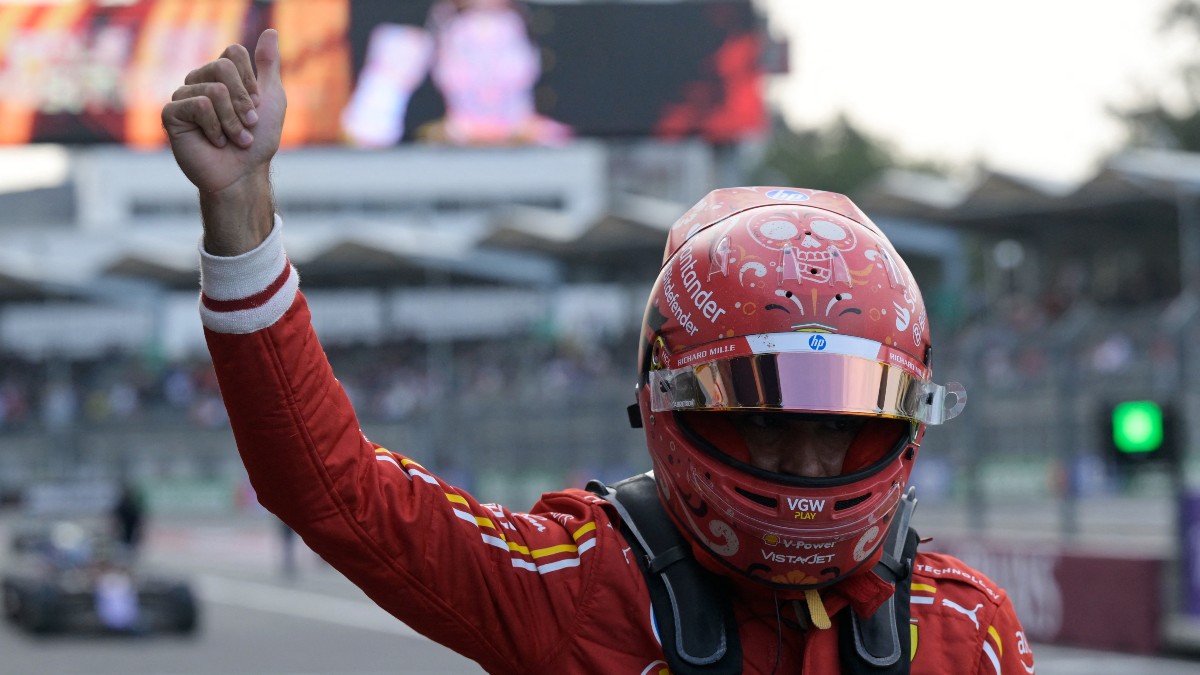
{"type": "Point", "coordinates": [1156, 124]}
{"type": "Point", "coordinates": [839, 158]}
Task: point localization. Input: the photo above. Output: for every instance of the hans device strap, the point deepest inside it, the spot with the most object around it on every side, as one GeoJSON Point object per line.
{"type": "Point", "coordinates": [693, 607]}
{"type": "Point", "coordinates": [881, 643]}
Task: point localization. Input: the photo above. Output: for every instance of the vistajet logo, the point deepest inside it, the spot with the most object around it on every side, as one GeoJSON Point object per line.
{"type": "Point", "coordinates": [811, 559]}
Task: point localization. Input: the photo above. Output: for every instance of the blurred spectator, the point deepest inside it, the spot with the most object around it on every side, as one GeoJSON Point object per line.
{"type": "Point", "coordinates": [178, 388]}
{"type": "Point", "coordinates": [1164, 365]}
{"type": "Point", "coordinates": [59, 405]}
{"type": "Point", "coordinates": [1069, 287]}
{"type": "Point", "coordinates": [208, 412]}
{"type": "Point", "coordinates": [123, 399]}
{"type": "Point", "coordinates": [1114, 354]}
{"type": "Point", "coordinates": [129, 516]}
{"type": "Point", "coordinates": [13, 403]}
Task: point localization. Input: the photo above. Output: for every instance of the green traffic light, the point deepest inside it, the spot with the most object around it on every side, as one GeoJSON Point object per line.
{"type": "Point", "coordinates": [1137, 426]}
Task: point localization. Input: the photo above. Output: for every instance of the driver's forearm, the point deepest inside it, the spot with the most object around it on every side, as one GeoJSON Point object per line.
{"type": "Point", "coordinates": [239, 217]}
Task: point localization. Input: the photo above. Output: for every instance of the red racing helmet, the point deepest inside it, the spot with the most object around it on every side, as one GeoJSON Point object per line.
{"type": "Point", "coordinates": [772, 301]}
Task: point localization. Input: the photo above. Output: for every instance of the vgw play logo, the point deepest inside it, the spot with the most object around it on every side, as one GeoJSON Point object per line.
{"type": "Point", "coordinates": [805, 509]}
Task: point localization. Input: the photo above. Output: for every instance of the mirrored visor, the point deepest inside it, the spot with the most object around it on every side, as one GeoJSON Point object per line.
{"type": "Point", "coordinates": [806, 382]}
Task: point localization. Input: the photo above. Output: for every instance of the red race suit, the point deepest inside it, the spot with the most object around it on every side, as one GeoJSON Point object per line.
{"type": "Point", "coordinates": [554, 590]}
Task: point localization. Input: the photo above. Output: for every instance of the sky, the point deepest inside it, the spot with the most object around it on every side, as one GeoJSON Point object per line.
{"type": "Point", "coordinates": [1021, 86]}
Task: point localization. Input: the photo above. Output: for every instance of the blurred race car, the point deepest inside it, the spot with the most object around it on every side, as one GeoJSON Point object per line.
{"type": "Point", "coordinates": [63, 576]}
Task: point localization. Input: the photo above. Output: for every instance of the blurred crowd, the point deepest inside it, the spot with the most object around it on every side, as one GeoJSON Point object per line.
{"type": "Point", "coordinates": [545, 407]}
{"type": "Point", "coordinates": [387, 382]}
{"type": "Point", "coordinates": [1022, 345]}
{"type": "Point", "coordinates": [468, 406]}
{"type": "Point", "coordinates": [119, 389]}
{"type": "Point", "coordinates": [1074, 332]}
{"type": "Point", "coordinates": [1017, 343]}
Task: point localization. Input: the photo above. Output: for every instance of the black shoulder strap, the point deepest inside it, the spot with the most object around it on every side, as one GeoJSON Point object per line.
{"type": "Point", "coordinates": [881, 643]}
{"type": "Point", "coordinates": [692, 606]}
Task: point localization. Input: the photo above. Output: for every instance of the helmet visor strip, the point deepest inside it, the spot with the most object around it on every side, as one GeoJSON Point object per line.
{"type": "Point", "coordinates": [823, 381]}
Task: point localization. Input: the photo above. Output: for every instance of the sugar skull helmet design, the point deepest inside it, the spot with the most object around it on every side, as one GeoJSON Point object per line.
{"type": "Point", "coordinates": [782, 300]}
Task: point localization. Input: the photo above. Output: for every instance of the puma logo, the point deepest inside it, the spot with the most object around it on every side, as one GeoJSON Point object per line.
{"type": "Point", "coordinates": [959, 608]}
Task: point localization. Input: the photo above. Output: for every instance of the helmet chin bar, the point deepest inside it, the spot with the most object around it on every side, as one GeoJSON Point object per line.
{"type": "Point", "coordinates": [736, 547]}
{"type": "Point", "coordinates": [743, 517]}
{"type": "Point", "coordinates": [757, 573]}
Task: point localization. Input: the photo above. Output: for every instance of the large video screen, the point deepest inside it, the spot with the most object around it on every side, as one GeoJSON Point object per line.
{"type": "Point", "coordinates": [375, 74]}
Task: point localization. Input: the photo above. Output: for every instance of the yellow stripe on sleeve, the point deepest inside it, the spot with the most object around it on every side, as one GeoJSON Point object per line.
{"type": "Point", "coordinates": [924, 587]}
{"type": "Point", "coordinates": [583, 530]}
{"type": "Point", "coordinates": [479, 520]}
{"type": "Point", "coordinates": [552, 550]}
{"type": "Point", "coordinates": [543, 552]}
{"type": "Point", "coordinates": [996, 637]}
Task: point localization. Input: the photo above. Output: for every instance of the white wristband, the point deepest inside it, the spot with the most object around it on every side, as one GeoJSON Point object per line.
{"type": "Point", "coordinates": [247, 292]}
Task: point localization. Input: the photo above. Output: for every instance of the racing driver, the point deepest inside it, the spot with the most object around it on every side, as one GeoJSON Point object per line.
{"type": "Point", "coordinates": [784, 387]}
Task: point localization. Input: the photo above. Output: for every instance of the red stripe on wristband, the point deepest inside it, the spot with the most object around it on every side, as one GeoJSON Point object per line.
{"type": "Point", "coordinates": [257, 300]}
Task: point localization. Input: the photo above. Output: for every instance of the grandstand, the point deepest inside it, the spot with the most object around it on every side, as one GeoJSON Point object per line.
{"type": "Point", "coordinates": [555, 249]}
{"type": "Point", "coordinates": [532, 246]}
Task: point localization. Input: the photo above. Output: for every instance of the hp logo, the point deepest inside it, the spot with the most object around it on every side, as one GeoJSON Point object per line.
{"type": "Point", "coordinates": [788, 195]}
{"type": "Point", "coordinates": [816, 343]}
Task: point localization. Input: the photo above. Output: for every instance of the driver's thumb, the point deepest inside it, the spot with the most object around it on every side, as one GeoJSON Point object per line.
{"type": "Point", "coordinates": [266, 58]}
